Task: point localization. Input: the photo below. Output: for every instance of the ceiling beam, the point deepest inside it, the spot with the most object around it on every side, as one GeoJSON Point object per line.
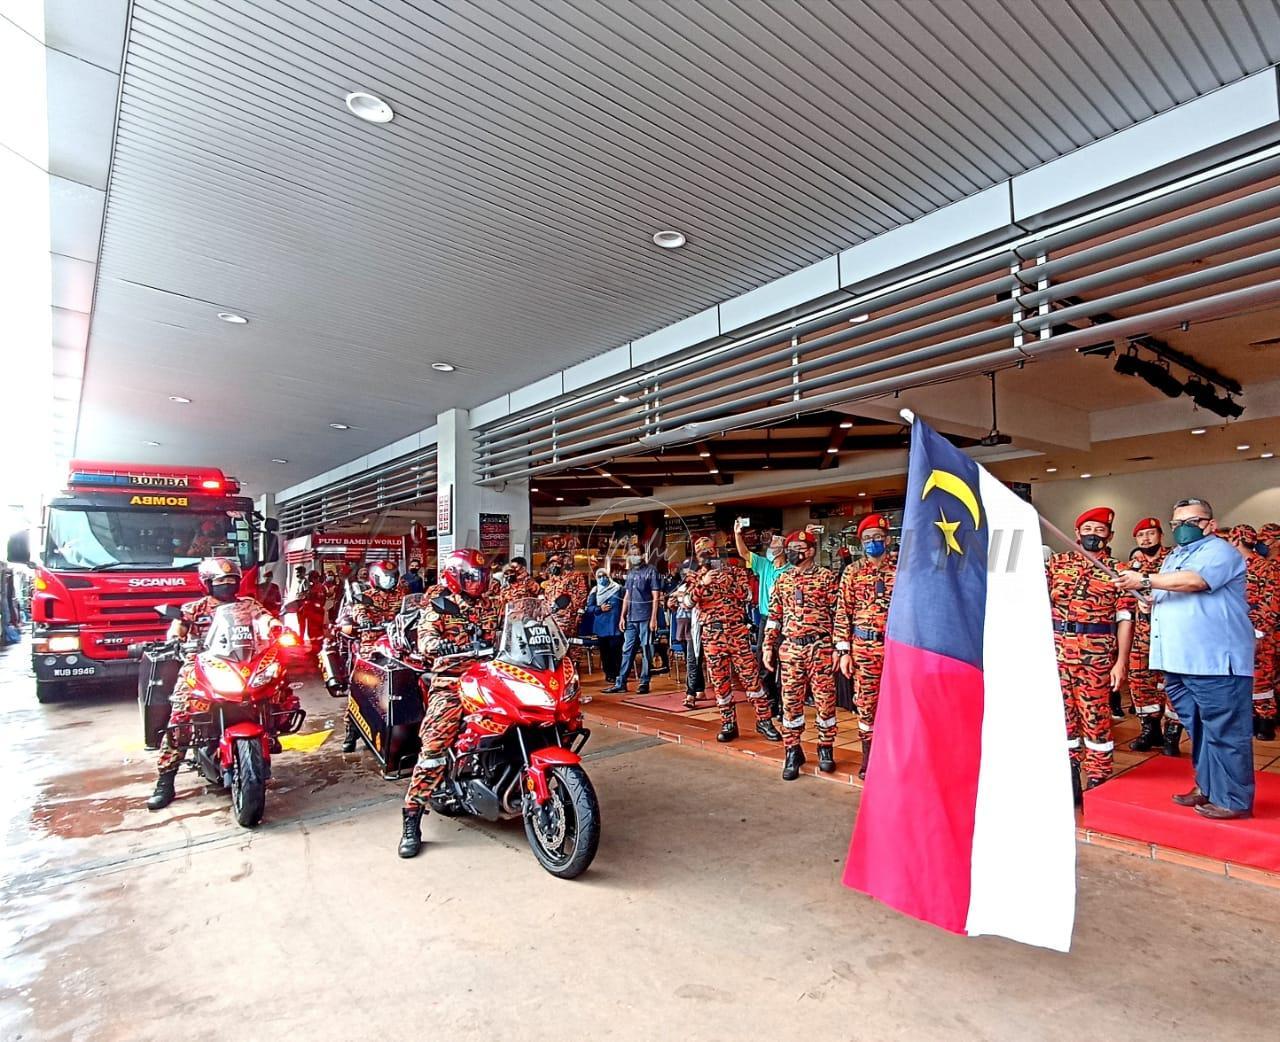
{"type": "Point", "coordinates": [709, 460]}
{"type": "Point", "coordinates": [835, 442]}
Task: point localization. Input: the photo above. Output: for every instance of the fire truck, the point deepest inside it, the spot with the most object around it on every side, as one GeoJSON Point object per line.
{"type": "Point", "coordinates": [122, 539]}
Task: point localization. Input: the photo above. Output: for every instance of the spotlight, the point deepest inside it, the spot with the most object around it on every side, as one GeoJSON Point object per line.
{"type": "Point", "coordinates": [1159, 377]}
{"type": "Point", "coordinates": [1128, 365]}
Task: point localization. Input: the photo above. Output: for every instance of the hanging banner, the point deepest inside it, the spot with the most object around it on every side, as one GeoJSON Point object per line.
{"type": "Point", "coordinates": [495, 533]}
{"type": "Point", "coordinates": [444, 511]}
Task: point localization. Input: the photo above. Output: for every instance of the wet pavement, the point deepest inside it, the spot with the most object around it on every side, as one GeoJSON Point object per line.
{"type": "Point", "coordinates": [713, 911]}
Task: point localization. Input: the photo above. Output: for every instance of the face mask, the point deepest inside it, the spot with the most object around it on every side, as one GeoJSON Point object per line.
{"type": "Point", "coordinates": [1186, 533]}
{"type": "Point", "coordinates": [1092, 543]}
{"type": "Point", "coordinates": [634, 560]}
{"type": "Point", "coordinates": [771, 554]}
{"type": "Point", "coordinates": [1261, 549]}
{"type": "Point", "coordinates": [794, 557]}
{"type": "Point", "coordinates": [1149, 551]}
{"type": "Point", "coordinates": [555, 569]}
{"type": "Point", "coordinates": [874, 548]}
{"type": "Point", "coordinates": [602, 580]}
{"type": "Point", "coordinates": [224, 592]}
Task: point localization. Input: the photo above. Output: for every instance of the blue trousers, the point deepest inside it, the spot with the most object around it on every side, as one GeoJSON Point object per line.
{"type": "Point", "coordinates": [638, 637]}
{"type": "Point", "coordinates": [1218, 715]}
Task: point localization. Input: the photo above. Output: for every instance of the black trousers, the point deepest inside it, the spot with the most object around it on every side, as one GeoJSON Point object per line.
{"type": "Point", "coordinates": [694, 684]}
{"type": "Point", "coordinates": [610, 655]}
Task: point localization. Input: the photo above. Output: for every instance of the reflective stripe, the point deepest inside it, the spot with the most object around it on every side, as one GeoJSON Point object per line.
{"type": "Point", "coordinates": [1073, 743]}
{"type": "Point", "coordinates": [433, 761]}
{"type": "Point", "coordinates": [794, 723]}
{"type": "Point", "coordinates": [725, 701]}
{"type": "Point", "coordinates": [1124, 616]}
{"type": "Point", "coordinates": [865, 728]}
{"type": "Point", "coordinates": [1262, 696]}
{"type": "Point", "coordinates": [826, 721]}
{"type": "Point", "coordinates": [772, 624]}
{"type": "Point", "coordinates": [1099, 747]}
{"type": "Point", "coordinates": [1172, 717]}
{"type": "Point", "coordinates": [1147, 710]}
{"type": "Point", "coordinates": [842, 645]}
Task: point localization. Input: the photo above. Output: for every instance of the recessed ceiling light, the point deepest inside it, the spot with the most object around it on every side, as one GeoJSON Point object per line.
{"type": "Point", "coordinates": [364, 521]}
{"type": "Point", "coordinates": [532, 489]}
{"type": "Point", "coordinates": [808, 500]}
{"type": "Point", "coordinates": [709, 503]}
{"type": "Point", "coordinates": [858, 318]}
{"type": "Point", "coordinates": [443, 367]}
{"type": "Point", "coordinates": [559, 499]}
{"type": "Point", "coordinates": [620, 399]}
{"type": "Point", "coordinates": [1242, 448]}
{"type": "Point", "coordinates": [704, 454]}
{"type": "Point", "coordinates": [1086, 475]}
{"type": "Point", "coordinates": [1197, 430]}
{"type": "Point", "coordinates": [1267, 455]}
{"type": "Point", "coordinates": [369, 107]}
{"type": "Point", "coordinates": [278, 459]}
{"type": "Point", "coordinates": [832, 450]}
{"type": "Point", "coordinates": [153, 444]}
{"type": "Point", "coordinates": [845, 425]}
{"type": "Point", "coordinates": [340, 426]}
{"type": "Point", "coordinates": [1051, 470]}
{"type": "Point", "coordinates": [713, 470]}
{"type": "Point", "coordinates": [233, 318]}
{"type": "Point", "coordinates": [605, 474]}
{"type": "Point", "coordinates": [669, 240]}
{"type": "Point", "coordinates": [627, 487]}
{"type": "Point", "coordinates": [765, 467]}
{"type": "Point", "coordinates": [179, 399]}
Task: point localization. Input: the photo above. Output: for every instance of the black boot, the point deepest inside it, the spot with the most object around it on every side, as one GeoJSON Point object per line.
{"type": "Point", "coordinates": [353, 733]}
{"type": "Point", "coordinates": [163, 795]}
{"type": "Point", "coordinates": [767, 731]}
{"type": "Point", "coordinates": [1117, 710]}
{"type": "Point", "coordinates": [1152, 735]}
{"type": "Point", "coordinates": [728, 731]}
{"type": "Point", "coordinates": [411, 836]}
{"type": "Point", "coordinates": [643, 688]}
{"type": "Point", "coordinates": [1077, 795]}
{"type": "Point", "coordinates": [794, 761]}
{"type": "Point", "coordinates": [1264, 729]}
{"type": "Point", "coordinates": [614, 688]}
{"type": "Point", "coordinates": [1172, 736]}
{"type": "Point", "coordinates": [826, 759]}
{"type": "Point", "coordinates": [866, 756]}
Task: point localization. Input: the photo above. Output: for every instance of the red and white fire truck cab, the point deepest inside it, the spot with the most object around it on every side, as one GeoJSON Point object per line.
{"type": "Point", "coordinates": [120, 540]}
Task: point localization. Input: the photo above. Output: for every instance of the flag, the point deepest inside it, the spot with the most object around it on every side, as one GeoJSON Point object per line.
{"type": "Point", "coordinates": [967, 820]}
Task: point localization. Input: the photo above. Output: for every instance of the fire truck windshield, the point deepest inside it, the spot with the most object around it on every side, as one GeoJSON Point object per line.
{"type": "Point", "coordinates": [101, 539]}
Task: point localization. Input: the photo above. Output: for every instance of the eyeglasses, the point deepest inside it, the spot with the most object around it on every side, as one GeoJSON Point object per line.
{"type": "Point", "coordinates": [1174, 522]}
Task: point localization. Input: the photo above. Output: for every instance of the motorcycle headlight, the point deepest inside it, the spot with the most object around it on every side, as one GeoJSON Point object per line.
{"type": "Point", "coordinates": [225, 680]}
{"type": "Point", "coordinates": [265, 674]}
{"type": "Point", "coordinates": [572, 689]}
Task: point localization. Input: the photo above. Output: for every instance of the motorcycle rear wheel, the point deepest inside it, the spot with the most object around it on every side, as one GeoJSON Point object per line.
{"type": "Point", "coordinates": [564, 835]}
{"type": "Point", "coordinates": [248, 782]}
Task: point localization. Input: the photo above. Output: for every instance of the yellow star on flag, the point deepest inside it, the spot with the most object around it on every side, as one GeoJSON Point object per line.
{"type": "Point", "coordinates": [948, 529]}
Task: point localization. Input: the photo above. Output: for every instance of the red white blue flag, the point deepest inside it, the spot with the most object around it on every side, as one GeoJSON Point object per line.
{"type": "Point", "coordinates": [966, 819]}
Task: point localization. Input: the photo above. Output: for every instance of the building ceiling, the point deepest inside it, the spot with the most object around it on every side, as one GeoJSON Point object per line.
{"type": "Point", "coordinates": [502, 222]}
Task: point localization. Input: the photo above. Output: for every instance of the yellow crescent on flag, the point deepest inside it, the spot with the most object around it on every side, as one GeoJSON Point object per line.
{"type": "Point", "coordinates": [950, 483]}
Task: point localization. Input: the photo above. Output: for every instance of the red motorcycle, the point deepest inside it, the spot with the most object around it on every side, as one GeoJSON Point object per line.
{"type": "Point", "coordinates": [241, 700]}
{"type": "Point", "coordinates": [517, 754]}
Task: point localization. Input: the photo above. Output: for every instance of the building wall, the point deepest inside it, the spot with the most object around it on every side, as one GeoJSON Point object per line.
{"type": "Point", "coordinates": [1246, 492]}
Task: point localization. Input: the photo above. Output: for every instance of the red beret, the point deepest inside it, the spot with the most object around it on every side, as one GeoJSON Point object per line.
{"type": "Point", "coordinates": [704, 544]}
{"type": "Point", "coordinates": [872, 521]}
{"type": "Point", "coordinates": [801, 536]}
{"type": "Point", "coordinates": [1103, 515]}
{"type": "Point", "coordinates": [1143, 525]}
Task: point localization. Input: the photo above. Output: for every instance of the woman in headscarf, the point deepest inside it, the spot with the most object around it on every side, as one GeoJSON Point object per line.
{"type": "Point", "coordinates": [604, 605]}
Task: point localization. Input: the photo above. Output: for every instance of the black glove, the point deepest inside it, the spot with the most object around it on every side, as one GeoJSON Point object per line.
{"type": "Point", "coordinates": [446, 648]}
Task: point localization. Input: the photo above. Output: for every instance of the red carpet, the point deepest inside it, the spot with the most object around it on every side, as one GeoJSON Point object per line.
{"type": "Point", "coordinates": [674, 702]}
{"type": "Point", "coordinates": [1137, 805]}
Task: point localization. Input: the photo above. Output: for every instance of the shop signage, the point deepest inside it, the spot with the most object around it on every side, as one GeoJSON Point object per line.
{"type": "Point", "coordinates": [353, 543]}
{"type": "Point", "coordinates": [444, 511]}
{"type": "Point", "coordinates": [495, 533]}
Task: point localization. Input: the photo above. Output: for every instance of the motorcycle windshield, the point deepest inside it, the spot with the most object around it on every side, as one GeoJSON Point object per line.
{"type": "Point", "coordinates": [239, 631]}
{"type": "Point", "coordinates": [530, 636]}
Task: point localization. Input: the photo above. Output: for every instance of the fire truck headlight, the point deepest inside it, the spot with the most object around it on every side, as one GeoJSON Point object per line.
{"type": "Point", "coordinates": [62, 644]}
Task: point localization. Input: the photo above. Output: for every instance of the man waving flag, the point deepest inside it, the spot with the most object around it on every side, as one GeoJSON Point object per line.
{"type": "Point", "coordinates": [967, 819]}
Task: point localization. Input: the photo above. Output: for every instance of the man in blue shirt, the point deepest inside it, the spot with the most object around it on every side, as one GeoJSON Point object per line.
{"type": "Point", "coordinates": [1202, 639]}
{"type": "Point", "coordinates": [639, 619]}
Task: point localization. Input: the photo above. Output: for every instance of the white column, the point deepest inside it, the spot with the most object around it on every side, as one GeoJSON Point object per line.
{"type": "Point", "coordinates": [460, 502]}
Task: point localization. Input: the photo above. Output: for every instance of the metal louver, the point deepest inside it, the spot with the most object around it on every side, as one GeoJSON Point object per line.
{"type": "Point", "coordinates": [409, 479]}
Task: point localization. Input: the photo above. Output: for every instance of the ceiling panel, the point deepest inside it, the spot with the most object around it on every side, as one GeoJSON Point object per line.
{"type": "Point", "coordinates": [503, 220]}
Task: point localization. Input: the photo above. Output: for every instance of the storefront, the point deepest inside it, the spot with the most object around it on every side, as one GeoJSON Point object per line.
{"type": "Point", "coordinates": [333, 552]}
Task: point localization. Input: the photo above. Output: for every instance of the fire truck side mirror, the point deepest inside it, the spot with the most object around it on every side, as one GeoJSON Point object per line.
{"type": "Point", "coordinates": [19, 548]}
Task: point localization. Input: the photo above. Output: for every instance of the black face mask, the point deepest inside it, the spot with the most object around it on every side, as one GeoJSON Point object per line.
{"type": "Point", "coordinates": [555, 569]}
{"type": "Point", "coordinates": [224, 592]}
{"type": "Point", "coordinates": [1149, 551]}
{"type": "Point", "coordinates": [1092, 543]}
{"type": "Point", "coordinates": [793, 557]}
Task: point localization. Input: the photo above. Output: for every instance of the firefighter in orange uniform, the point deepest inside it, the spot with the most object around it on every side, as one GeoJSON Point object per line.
{"type": "Point", "coordinates": [1263, 595]}
{"type": "Point", "coordinates": [1092, 634]}
{"type": "Point", "coordinates": [802, 609]}
{"type": "Point", "coordinates": [377, 605]}
{"type": "Point", "coordinates": [562, 580]}
{"type": "Point", "coordinates": [721, 595]}
{"type": "Point", "coordinates": [1268, 546]}
{"type": "Point", "coordinates": [520, 584]}
{"type": "Point", "coordinates": [862, 611]}
{"type": "Point", "coordinates": [1146, 686]}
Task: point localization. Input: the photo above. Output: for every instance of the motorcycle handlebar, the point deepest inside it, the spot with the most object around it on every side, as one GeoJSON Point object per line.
{"type": "Point", "coordinates": [470, 653]}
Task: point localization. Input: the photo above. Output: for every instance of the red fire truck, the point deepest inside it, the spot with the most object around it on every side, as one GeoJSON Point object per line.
{"type": "Point", "coordinates": [120, 540]}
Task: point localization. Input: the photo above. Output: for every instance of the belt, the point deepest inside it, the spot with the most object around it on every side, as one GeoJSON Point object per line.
{"type": "Point", "coordinates": [810, 638]}
{"type": "Point", "coordinates": [862, 633]}
{"type": "Point", "coordinates": [1085, 628]}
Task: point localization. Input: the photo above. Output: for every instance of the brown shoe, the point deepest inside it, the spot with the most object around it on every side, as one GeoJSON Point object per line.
{"type": "Point", "coordinates": [1194, 798]}
{"type": "Point", "coordinates": [1212, 810]}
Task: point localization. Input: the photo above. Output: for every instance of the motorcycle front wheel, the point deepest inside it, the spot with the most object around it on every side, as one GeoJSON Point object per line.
{"type": "Point", "coordinates": [565, 832]}
{"type": "Point", "coordinates": [249, 782]}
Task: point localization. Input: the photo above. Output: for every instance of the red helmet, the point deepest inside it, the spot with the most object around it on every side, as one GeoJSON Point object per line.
{"type": "Point", "coordinates": [383, 576]}
{"type": "Point", "coordinates": [465, 571]}
{"type": "Point", "coordinates": [217, 571]}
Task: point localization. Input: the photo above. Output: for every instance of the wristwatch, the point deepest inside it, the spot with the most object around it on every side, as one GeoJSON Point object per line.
{"type": "Point", "coordinates": [1146, 584]}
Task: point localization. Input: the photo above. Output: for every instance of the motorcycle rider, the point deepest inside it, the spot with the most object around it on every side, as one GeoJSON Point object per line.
{"type": "Point", "coordinates": [464, 579]}
{"type": "Point", "coordinates": [220, 577]}
{"type": "Point", "coordinates": [378, 605]}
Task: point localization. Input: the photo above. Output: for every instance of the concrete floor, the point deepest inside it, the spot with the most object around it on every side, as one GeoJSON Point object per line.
{"type": "Point", "coordinates": [713, 911]}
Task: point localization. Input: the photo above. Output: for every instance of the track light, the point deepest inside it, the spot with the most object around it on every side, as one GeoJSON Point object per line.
{"type": "Point", "coordinates": [1128, 364]}
{"type": "Point", "coordinates": [1159, 377]}
{"type": "Point", "coordinates": [1204, 396]}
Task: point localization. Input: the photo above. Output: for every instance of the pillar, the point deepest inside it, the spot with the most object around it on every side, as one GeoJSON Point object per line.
{"type": "Point", "coordinates": [460, 502]}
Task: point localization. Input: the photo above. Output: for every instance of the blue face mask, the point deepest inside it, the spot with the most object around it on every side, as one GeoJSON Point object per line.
{"type": "Point", "coordinates": [1185, 533]}
{"type": "Point", "coordinates": [602, 580]}
{"type": "Point", "coordinates": [873, 548]}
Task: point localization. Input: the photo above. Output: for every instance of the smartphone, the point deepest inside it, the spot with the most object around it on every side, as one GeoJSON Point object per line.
{"type": "Point", "coordinates": [744, 522]}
